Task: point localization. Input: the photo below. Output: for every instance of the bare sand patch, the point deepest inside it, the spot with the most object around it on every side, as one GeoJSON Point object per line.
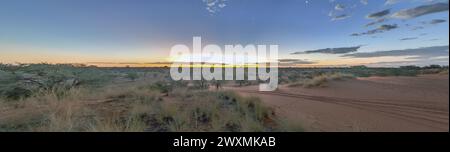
{"type": "Point", "coordinates": [364, 104]}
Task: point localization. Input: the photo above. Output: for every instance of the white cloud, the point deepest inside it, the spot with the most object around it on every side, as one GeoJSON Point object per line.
{"type": "Point", "coordinates": [391, 2]}
{"type": "Point", "coordinates": [365, 2]}
{"type": "Point", "coordinates": [214, 6]}
{"type": "Point", "coordinates": [339, 7]}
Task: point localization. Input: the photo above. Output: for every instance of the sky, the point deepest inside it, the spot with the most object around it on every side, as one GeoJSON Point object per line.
{"type": "Point", "coordinates": [309, 32]}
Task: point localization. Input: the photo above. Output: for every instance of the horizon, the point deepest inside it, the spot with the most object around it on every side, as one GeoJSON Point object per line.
{"type": "Point", "coordinates": [206, 65]}
{"type": "Point", "coordinates": [139, 33]}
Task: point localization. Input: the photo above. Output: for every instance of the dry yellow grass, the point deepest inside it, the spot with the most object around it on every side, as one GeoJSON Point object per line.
{"type": "Point", "coordinates": [132, 108]}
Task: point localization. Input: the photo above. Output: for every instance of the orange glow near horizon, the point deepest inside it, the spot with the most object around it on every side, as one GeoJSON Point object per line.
{"type": "Point", "coordinates": [104, 62]}
{"type": "Point", "coordinates": [29, 55]}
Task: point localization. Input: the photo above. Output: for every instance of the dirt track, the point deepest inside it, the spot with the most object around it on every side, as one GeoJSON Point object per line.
{"type": "Point", "coordinates": [369, 104]}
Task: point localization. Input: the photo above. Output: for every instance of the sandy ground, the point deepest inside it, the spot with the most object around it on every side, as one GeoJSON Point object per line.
{"type": "Point", "coordinates": [365, 104]}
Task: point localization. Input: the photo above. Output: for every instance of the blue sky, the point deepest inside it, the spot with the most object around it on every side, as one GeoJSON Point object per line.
{"type": "Point", "coordinates": [144, 30]}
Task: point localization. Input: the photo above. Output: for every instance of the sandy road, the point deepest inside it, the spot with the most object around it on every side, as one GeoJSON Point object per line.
{"type": "Point", "coordinates": [364, 105]}
{"type": "Point", "coordinates": [417, 114]}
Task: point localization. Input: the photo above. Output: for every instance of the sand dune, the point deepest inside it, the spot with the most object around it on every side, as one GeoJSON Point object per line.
{"type": "Point", "coordinates": [365, 104]}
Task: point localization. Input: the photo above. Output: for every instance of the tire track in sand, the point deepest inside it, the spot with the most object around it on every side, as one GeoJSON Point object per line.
{"type": "Point", "coordinates": [419, 114]}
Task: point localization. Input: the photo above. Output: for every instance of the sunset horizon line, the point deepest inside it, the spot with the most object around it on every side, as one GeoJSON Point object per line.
{"type": "Point", "coordinates": [202, 65]}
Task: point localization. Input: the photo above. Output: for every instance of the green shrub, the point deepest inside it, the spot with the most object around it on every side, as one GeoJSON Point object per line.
{"type": "Point", "coordinates": [132, 75]}
{"type": "Point", "coordinates": [16, 93]}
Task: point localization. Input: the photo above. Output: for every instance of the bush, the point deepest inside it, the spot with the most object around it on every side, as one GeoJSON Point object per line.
{"type": "Point", "coordinates": [320, 80]}
{"type": "Point", "coordinates": [167, 87]}
{"type": "Point", "coordinates": [16, 93]}
{"type": "Point", "coordinates": [46, 77]}
{"type": "Point", "coordinates": [210, 111]}
{"type": "Point", "coordinates": [132, 75]}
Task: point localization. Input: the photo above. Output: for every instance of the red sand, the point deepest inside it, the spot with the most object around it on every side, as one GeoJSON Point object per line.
{"type": "Point", "coordinates": [365, 104]}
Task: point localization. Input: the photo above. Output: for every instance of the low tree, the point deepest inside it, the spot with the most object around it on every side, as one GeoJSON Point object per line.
{"type": "Point", "coordinates": [218, 83]}
{"type": "Point", "coordinates": [132, 76]}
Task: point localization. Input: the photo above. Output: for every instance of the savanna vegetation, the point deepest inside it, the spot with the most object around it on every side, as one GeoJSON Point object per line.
{"type": "Point", "coordinates": [318, 77]}
{"type": "Point", "coordinates": [45, 97]}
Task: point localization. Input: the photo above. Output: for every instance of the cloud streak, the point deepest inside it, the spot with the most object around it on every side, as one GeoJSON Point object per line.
{"type": "Point", "coordinates": [420, 11]}
{"type": "Point", "coordinates": [340, 17]}
{"type": "Point", "coordinates": [378, 21]}
{"type": "Point", "coordinates": [437, 21]}
{"type": "Point", "coordinates": [408, 38]}
{"type": "Point", "coordinates": [292, 62]}
{"type": "Point", "coordinates": [378, 14]}
{"type": "Point", "coordinates": [341, 50]}
{"type": "Point", "coordinates": [419, 53]}
{"type": "Point", "coordinates": [380, 29]}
